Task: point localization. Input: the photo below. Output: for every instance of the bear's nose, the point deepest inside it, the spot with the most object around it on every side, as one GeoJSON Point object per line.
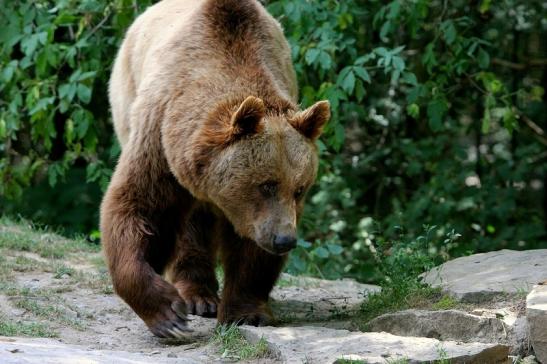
{"type": "Point", "coordinates": [284, 243]}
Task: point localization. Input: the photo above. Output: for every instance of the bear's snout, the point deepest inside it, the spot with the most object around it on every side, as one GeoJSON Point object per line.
{"type": "Point", "coordinates": [283, 243]}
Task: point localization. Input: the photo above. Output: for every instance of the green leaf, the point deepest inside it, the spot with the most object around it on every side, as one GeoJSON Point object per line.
{"type": "Point", "coordinates": [3, 129]}
{"type": "Point", "coordinates": [435, 113]}
{"type": "Point", "coordinates": [485, 6]}
{"type": "Point", "coordinates": [449, 31]}
{"type": "Point", "coordinates": [303, 243]}
{"type": "Point", "coordinates": [364, 59]}
{"type": "Point", "coordinates": [81, 121]}
{"type": "Point", "coordinates": [429, 59]}
{"type": "Point", "coordinates": [42, 104]}
{"type": "Point", "coordinates": [348, 83]}
{"type": "Point", "coordinates": [311, 55]}
{"type": "Point", "coordinates": [410, 78]}
{"type": "Point", "coordinates": [509, 120]}
{"type": "Point", "coordinates": [398, 63]}
{"type": "Point", "coordinates": [86, 75]}
{"type": "Point", "coordinates": [384, 31]}
{"type": "Point", "coordinates": [29, 44]}
{"type": "Point", "coordinates": [360, 91]}
{"type": "Point", "coordinates": [486, 119]}
{"type": "Point", "coordinates": [339, 136]}
{"type": "Point", "coordinates": [325, 60]}
{"type": "Point", "coordinates": [69, 131]}
{"type": "Point", "coordinates": [362, 73]}
{"type": "Point", "coordinates": [413, 110]}
{"type": "Point", "coordinates": [335, 249]}
{"type": "Point", "coordinates": [483, 58]}
{"type": "Point", "coordinates": [84, 93]}
{"type": "Point", "coordinates": [321, 252]}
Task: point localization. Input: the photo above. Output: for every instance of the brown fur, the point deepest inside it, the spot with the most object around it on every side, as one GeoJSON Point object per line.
{"type": "Point", "coordinates": [203, 97]}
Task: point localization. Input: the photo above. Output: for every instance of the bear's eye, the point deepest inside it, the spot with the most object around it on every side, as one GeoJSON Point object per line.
{"type": "Point", "coordinates": [268, 189]}
{"type": "Point", "coordinates": [298, 193]}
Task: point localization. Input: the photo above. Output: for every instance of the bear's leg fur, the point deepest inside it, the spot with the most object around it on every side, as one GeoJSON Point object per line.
{"type": "Point", "coordinates": [140, 214]}
{"type": "Point", "coordinates": [192, 270]}
{"type": "Point", "coordinates": [249, 276]}
{"type": "Point", "coordinates": [135, 280]}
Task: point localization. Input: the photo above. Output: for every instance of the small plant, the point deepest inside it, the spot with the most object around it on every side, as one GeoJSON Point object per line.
{"type": "Point", "coordinates": [39, 305]}
{"type": "Point", "coordinates": [233, 345]}
{"type": "Point", "coordinates": [400, 264]}
{"type": "Point", "coordinates": [34, 329]}
{"type": "Point", "coordinates": [446, 302]}
{"type": "Point", "coordinates": [443, 355]}
{"type": "Point", "coordinates": [349, 361]}
{"type": "Point", "coordinates": [63, 270]}
{"type": "Point", "coordinates": [397, 361]}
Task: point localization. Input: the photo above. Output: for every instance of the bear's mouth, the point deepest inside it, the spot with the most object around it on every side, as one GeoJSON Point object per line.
{"type": "Point", "coordinates": [279, 246]}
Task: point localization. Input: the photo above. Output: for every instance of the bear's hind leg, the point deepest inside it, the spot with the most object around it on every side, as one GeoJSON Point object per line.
{"type": "Point", "coordinates": [192, 270]}
{"type": "Point", "coordinates": [249, 274]}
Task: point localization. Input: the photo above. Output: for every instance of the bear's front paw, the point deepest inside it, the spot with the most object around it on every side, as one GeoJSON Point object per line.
{"type": "Point", "coordinates": [199, 301]}
{"type": "Point", "coordinates": [246, 314]}
{"type": "Point", "coordinates": [169, 321]}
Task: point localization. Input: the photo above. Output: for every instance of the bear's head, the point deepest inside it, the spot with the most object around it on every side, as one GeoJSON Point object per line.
{"type": "Point", "coordinates": [260, 166]}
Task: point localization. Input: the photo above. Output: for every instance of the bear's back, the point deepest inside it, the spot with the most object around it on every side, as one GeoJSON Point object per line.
{"type": "Point", "coordinates": [175, 43]}
{"type": "Point", "coordinates": [206, 27]}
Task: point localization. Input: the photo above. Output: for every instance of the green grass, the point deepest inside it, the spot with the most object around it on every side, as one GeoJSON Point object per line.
{"type": "Point", "coordinates": [50, 311]}
{"type": "Point", "coordinates": [97, 261]}
{"type": "Point", "coordinates": [233, 345]}
{"type": "Point", "coordinates": [34, 329]}
{"type": "Point", "coordinates": [397, 298]}
{"type": "Point", "coordinates": [63, 270]}
{"type": "Point", "coordinates": [349, 361]}
{"type": "Point", "coordinates": [98, 282]}
{"type": "Point", "coordinates": [23, 236]}
{"type": "Point", "coordinates": [397, 361]}
{"type": "Point", "coordinates": [446, 302]}
{"type": "Point", "coordinates": [45, 304]}
{"type": "Point", "coordinates": [443, 355]}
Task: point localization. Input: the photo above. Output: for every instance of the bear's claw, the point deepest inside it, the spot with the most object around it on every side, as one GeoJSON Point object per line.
{"type": "Point", "coordinates": [172, 322]}
{"type": "Point", "coordinates": [202, 306]}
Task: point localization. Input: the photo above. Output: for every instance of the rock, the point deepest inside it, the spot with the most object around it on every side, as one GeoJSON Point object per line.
{"type": "Point", "coordinates": [306, 298]}
{"type": "Point", "coordinates": [442, 325]}
{"type": "Point", "coordinates": [536, 314]}
{"type": "Point", "coordinates": [481, 277]}
{"type": "Point", "coordinates": [320, 345]}
{"type": "Point", "coordinates": [49, 351]}
{"type": "Point", "coordinates": [528, 360]}
{"type": "Point", "coordinates": [457, 325]}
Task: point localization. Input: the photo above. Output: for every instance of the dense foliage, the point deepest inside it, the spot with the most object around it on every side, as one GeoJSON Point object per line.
{"type": "Point", "coordinates": [439, 119]}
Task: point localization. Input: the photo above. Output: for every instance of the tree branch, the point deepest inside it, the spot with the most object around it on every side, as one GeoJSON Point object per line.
{"type": "Point", "coordinates": [520, 66]}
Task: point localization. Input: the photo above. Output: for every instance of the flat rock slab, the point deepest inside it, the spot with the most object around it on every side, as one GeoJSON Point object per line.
{"type": "Point", "coordinates": [481, 277]}
{"type": "Point", "coordinates": [443, 325]}
{"type": "Point", "coordinates": [321, 345]}
{"type": "Point", "coordinates": [50, 351]}
{"type": "Point", "coordinates": [306, 298]}
{"type": "Point", "coordinates": [536, 314]}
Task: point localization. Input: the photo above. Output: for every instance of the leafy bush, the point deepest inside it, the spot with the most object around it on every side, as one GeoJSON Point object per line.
{"type": "Point", "coordinates": [55, 61]}
{"type": "Point", "coordinates": [439, 118]}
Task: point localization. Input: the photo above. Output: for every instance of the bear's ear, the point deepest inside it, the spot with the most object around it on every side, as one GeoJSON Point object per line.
{"type": "Point", "coordinates": [246, 120]}
{"type": "Point", "coordinates": [310, 122]}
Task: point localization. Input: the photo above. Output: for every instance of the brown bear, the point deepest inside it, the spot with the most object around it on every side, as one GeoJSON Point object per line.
{"type": "Point", "coordinates": [216, 159]}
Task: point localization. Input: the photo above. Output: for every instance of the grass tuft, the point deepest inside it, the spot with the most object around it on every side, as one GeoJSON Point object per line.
{"type": "Point", "coordinates": [23, 236]}
{"type": "Point", "coordinates": [396, 298]}
{"type": "Point", "coordinates": [34, 329]}
{"type": "Point", "coordinates": [446, 302]}
{"type": "Point", "coordinates": [232, 344]}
